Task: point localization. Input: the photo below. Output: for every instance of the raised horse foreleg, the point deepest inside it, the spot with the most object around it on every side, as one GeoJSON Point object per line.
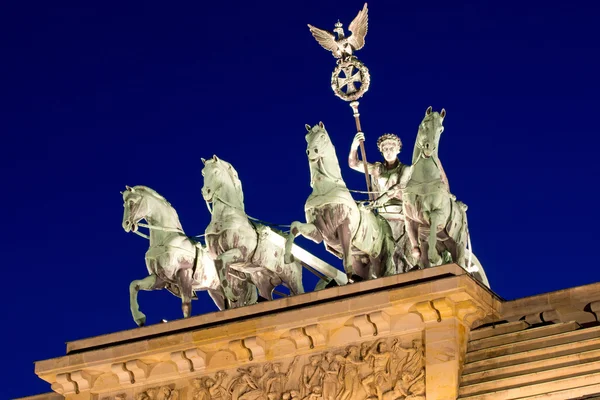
{"type": "Point", "coordinates": [298, 228]}
{"type": "Point", "coordinates": [148, 283]}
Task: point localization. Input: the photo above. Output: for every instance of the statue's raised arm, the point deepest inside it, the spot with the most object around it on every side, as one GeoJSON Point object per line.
{"type": "Point", "coordinates": [355, 163]}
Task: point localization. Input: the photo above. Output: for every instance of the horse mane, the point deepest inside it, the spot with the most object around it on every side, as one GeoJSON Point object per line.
{"type": "Point", "coordinates": [235, 180]}
{"type": "Point", "coordinates": [333, 161]}
{"type": "Point", "coordinates": [152, 192]}
{"type": "Point", "coordinates": [158, 197]}
{"type": "Point", "coordinates": [416, 150]}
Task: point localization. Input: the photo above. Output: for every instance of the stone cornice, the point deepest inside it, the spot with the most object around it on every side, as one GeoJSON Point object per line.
{"type": "Point", "coordinates": [316, 320]}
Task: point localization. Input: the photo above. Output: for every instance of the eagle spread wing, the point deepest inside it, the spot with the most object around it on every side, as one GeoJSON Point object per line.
{"type": "Point", "coordinates": [325, 39]}
{"type": "Point", "coordinates": [358, 27]}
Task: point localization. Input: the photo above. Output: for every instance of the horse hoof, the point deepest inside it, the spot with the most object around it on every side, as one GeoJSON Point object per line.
{"type": "Point", "coordinates": [435, 261]}
{"type": "Point", "coordinates": [349, 276]}
{"type": "Point", "coordinates": [187, 310]}
{"type": "Point", "coordinates": [416, 252]}
{"type": "Point", "coordinates": [288, 258]}
{"type": "Point", "coordinates": [141, 321]}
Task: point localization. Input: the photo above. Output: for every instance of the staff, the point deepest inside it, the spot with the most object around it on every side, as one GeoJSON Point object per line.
{"type": "Point", "coordinates": [356, 79]}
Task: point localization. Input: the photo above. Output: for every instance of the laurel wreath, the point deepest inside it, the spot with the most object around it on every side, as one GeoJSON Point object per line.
{"type": "Point", "coordinates": [365, 79]}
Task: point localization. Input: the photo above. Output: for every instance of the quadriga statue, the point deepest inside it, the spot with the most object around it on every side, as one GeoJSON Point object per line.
{"type": "Point", "coordinates": [174, 261]}
{"type": "Point", "coordinates": [362, 239]}
{"type": "Point", "coordinates": [236, 244]}
{"type": "Point", "coordinates": [436, 223]}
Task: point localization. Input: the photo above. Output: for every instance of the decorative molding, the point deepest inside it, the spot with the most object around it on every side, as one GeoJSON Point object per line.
{"type": "Point", "coordinates": [182, 362]}
{"type": "Point", "coordinates": [65, 385]}
{"type": "Point", "coordinates": [300, 338]}
{"type": "Point", "coordinates": [138, 369]}
{"type": "Point", "coordinates": [445, 307]}
{"type": "Point", "coordinates": [469, 312]}
{"type": "Point", "coordinates": [551, 316]}
{"type": "Point", "coordinates": [533, 319]}
{"type": "Point", "coordinates": [130, 372]}
{"type": "Point", "coordinates": [197, 357]}
{"type": "Point", "coordinates": [426, 310]}
{"type": "Point", "coordinates": [240, 351]}
{"type": "Point", "coordinates": [83, 379]}
{"type": "Point", "coordinates": [364, 325]}
{"type": "Point", "coordinates": [307, 337]}
{"type": "Point", "coordinates": [123, 374]}
{"type": "Point", "coordinates": [316, 334]}
{"type": "Point", "coordinates": [381, 321]}
{"type": "Point", "coordinates": [595, 309]}
{"type": "Point", "coordinates": [256, 346]}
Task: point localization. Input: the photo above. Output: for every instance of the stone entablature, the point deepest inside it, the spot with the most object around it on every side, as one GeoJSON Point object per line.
{"type": "Point", "coordinates": [430, 309]}
{"type": "Point", "coordinates": [462, 340]}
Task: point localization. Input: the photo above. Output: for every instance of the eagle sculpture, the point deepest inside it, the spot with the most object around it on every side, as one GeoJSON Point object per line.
{"type": "Point", "coordinates": [343, 47]}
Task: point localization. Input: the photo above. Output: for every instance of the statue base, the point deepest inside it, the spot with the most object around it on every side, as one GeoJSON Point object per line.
{"type": "Point", "coordinates": [427, 334]}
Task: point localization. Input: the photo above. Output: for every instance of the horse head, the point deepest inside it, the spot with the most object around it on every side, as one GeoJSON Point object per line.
{"type": "Point", "coordinates": [141, 202]}
{"type": "Point", "coordinates": [318, 142]}
{"type": "Point", "coordinates": [135, 206]}
{"type": "Point", "coordinates": [221, 181]}
{"type": "Point", "coordinates": [428, 136]}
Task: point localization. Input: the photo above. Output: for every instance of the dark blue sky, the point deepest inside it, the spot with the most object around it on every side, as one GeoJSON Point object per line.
{"type": "Point", "coordinates": [94, 98]}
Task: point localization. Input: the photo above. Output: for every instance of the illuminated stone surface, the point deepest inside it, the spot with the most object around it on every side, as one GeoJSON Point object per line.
{"type": "Point", "coordinates": [426, 334]}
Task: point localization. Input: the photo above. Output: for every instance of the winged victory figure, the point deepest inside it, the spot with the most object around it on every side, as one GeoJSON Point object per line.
{"type": "Point", "coordinates": [343, 47]}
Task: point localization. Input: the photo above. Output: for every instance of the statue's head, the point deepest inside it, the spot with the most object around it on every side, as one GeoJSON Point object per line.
{"type": "Point", "coordinates": [277, 367]}
{"type": "Point", "coordinates": [329, 357]}
{"type": "Point", "coordinates": [407, 377]}
{"type": "Point", "coordinates": [197, 383]}
{"type": "Point", "coordinates": [318, 142]}
{"type": "Point", "coordinates": [430, 130]}
{"type": "Point", "coordinates": [253, 370]}
{"type": "Point", "coordinates": [390, 146]}
{"type": "Point", "coordinates": [218, 173]}
{"type": "Point", "coordinates": [314, 360]}
{"type": "Point", "coordinates": [382, 347]}
{"type": "Point", "coordinates": [210, 382]}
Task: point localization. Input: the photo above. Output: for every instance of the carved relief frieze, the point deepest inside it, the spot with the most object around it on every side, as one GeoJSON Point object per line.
{"type": "Point", "coordinates": [376, 370]}
{"type": "Point", "coordinates": [158, 393]}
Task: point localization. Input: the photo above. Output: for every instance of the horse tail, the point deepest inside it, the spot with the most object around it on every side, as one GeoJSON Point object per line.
{"type": "Point", "coordinates": [463, 238]}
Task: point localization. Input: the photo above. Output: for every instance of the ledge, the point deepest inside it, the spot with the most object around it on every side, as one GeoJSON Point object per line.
{"type": "Point", "coordinates": [260, 309]}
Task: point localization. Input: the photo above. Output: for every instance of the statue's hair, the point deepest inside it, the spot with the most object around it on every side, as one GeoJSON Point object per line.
{"type": "Point", "coordinates": [388, 136]}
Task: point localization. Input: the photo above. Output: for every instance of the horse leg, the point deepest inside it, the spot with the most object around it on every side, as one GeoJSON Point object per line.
{"type": "Point", "coordinates": [294, 279]}
{"type": "Point", "coordinates": [185, 279]}
{"type": "Point", "coordinates": [309, 231]}
{"type": "Point", "coordinates": [436, 218]}
{"type": "Point", "coordinates": [412, 230]}
{"type": "Point", "coordinates": [218, 298]}
{"type": "Point", "coordinates": [148, 283]}
{"type": "Point", "coordinates": [264, 283]}
{"type": "Point", "coordinates": [343, 233]}
{"type": "Point", "coordinates": [222, 263]}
